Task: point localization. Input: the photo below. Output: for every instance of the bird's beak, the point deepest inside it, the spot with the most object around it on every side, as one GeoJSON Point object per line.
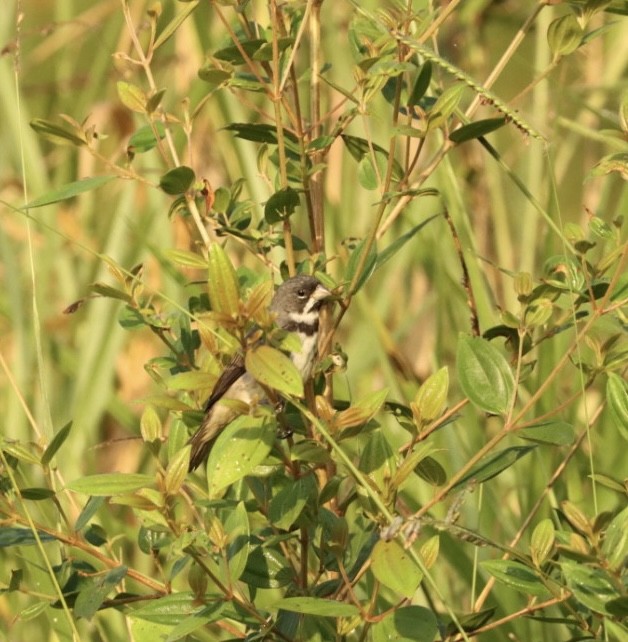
{"type": "Point", "coordinates": [321, 293]}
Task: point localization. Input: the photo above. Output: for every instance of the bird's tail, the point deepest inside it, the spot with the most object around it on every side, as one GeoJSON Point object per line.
{"type": "Point", "coordinates": [201, 442]}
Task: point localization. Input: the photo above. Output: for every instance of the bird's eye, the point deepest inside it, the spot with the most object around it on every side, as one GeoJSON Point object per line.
{"type": "Point", "coordinates": [301, 293]}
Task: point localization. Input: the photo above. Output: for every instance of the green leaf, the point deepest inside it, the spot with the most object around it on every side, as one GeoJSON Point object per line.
{"type": "Point", "coordinates": [132, 97]}
{"type": "Point", "coordinates": [110, 484]}
{"type": "Point", "coordinates": [476, 129]}
{"type": "Point", "coordinates": [10, 536]}
{"type": "Point", "coordinates": [431, 471]}
{"type": "Point", "coordinates": [590, 586]}
{"type": "Point", "coordinates": [274, 369]}
{"type": "Point", "coordinates": [239, 448]}
{"type": "Point", "coordinates": [91, 597]}
{"type": "Point", "coordinates": [281, 205]}
{"type": "Point", "coordinates": [367, 269]}
{"type": "Point", "coordinates": [107, 291]}
{"type": "Point", "coordinates": [542, 541]}
{"type": "Point", "coordinates": [143, 140]}
{"type": "Point", "coordinates": [91, 506]}
{"type": "Point", "coordinates": [288, 504]}
{"type": "Point", "coordinates": [317, 606]}
{"type": "Point", "coordinates": [266, 568]}
{"type": "Point", "coordinates": [516, 575]}
{"type": "Point", "coordinates": [56, 443]}
{"type": "Point", "coordinates": [192, 380]}
{"type": "Point", "coordinates": [392, 249]}
{"type": "Point", "coordinates": [170, 609]}
{"type": "Point", "coordinates": [222, 282]}
{"type": "Point", "coordinates": [564, 35]}
{"type": "Point", "coordinates": [174, 24]}
{"type": "Point", "coordinates": [233, 55]}
{"type": "Point", "coordinates": [36, 494]}
{"type": "Point", "coordinates": [195, 621]}
{"type": "Point", "coordinates": [367, 173]}
{"type": "Point", "coordinates": [238, 533]}
{"type": "Point", "coordinates": [422, 84]}
{"type": "Point", "coordinates": [69, 191]}
{"type": "Point", "coordinates": [406, 624]}
{"type": "Point", "coordinates": [259, 132]}
{"type": "Point", "coordinates": [394, 567]}
{"type": "Point", "coordinates": [177, 180]}
{"type": "Point", "coordinates": [177, 471]}
{"type": "Point", "coordinates": [56, 133]}
{"type": "Point", "coordinates": [412, 460]}
{"type": "Point", "coordinates": [558, 433]}
{"type": "Point", "coordinates": [484, 374]}
{"type": "Point", "coordinates": [431, 398]}
{"type": "Point", "coordinates": [213, 75]}
{"type": "Point", "coordinates": [617, 400]}
{"type": "Point", "coordinates": [150, 425]}
{"type": "Point", "coordinates": [494, 464]}
{"type": "Point", "coordinates": [615, 545]}
{"type": "Point", "coordinates": [445, 105]}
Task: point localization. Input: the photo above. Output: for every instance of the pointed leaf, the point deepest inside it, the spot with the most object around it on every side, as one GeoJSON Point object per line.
{"type": "Point", "coordinates": [431, 397]}
{"type": "Point", "coordinates": [367, 268]}
{"type": "Point", "coordinates": [132, 97]}
{"type": "Point", "coordinates": [615, 546]}
{"type": "Point", "coordinates": [56, 133]}
{"type": "Point", "coordinates": [617, 400]}
{"type": "Point", "coordinates": [69, 191]}
{"type": "Point", "coordinates": [239, 448]}
{"type": "Point", "coordinates": [484, 374]}
{"type": "Point", "coordinates": [177, 471]}
{"type": "Point", "coordinates": [516, 575]}
{"type": "Point", "coordinates": [542, 541]}
{"type": "Point", "coordinates": [422, 84]}
{"type": "Point", "coordinates": [476, 129]}
{"type": "Point", "coordinates": [274, 369]}
{"type": "Point", "coordinates": [56, 443]}
{"type": "Point", "coordinates": [288, 504]}
{"type": "Point", "coordinates": [590, 586]}
{"type": "Point", "coordinates": [143, 140]}
{"type": "Point", "coordinates": [493, 465]}
{"type": "Point", "coordinates": [238, 531]}
{"type": "Point", "coordinates": [317, 606]}
{"type": "Point", "coordinates": [559, 433]}
{"type": "Point", "coordinates": [222, 282]}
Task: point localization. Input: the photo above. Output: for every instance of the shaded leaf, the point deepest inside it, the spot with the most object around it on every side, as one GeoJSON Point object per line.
{"type": "Point", "coordinates": [354, 261]}
{"type": "Point", "coordinates": [143, 140]}
{"type": "Point", "coordinates": [281, 205]}
{"type": "Point", "coordinates": [392, 249]}
{"type": "Point", "coordinates": [177, 180]}
{"type": "Point", "coordinates": [89, 510]}
{"type": "Point", "coordinates": [476, 129]}
{"type": "Point", "coordinates": [288, 504]}
{"type": "Point", "coordinates": [406, 624]}
{"type": "Point", "coordinates": [615, 545]}
{"type": "Point", "coordinates": [422, 84]}
{"type": "Point", "coordinates": [56, 443]}
{"type": "Point", "coordinates": [493, 465]}
{"type": "Point", "coordinates": [11, 536]}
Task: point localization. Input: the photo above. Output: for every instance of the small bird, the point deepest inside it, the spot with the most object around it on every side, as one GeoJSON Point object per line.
{"type": "Point", "coordinates": [296, 304]}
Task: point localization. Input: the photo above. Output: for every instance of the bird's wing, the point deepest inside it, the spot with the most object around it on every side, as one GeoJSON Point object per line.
{"type": "Point", "coordinates": [234, 370]}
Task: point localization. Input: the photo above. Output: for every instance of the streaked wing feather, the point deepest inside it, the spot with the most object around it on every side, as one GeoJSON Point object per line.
{"type": "Point", "coordinates": [234, 370]}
